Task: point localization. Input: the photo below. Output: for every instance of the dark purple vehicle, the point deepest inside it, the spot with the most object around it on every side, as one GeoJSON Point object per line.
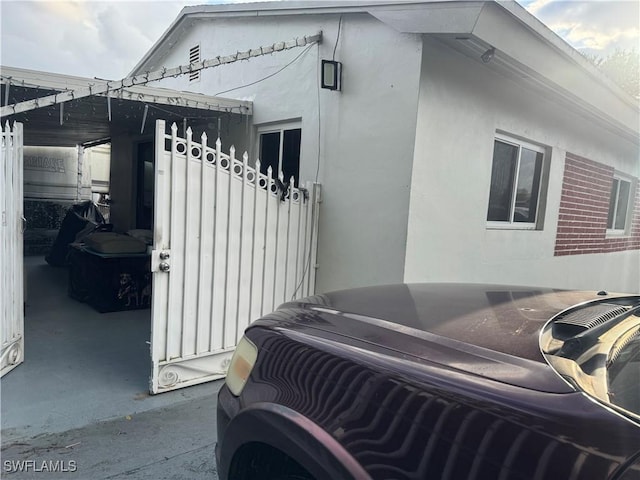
{"type": "Point", "coordinates": [436, 381]}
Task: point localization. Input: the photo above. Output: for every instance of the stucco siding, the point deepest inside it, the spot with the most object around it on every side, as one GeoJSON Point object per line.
{"type": "Point", "coordinates": [463, 103]}
{"type": "Point", "coordinates": [366, 132]}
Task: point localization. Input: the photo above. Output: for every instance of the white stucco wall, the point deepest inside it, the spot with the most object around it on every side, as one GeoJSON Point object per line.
{"type": "Point", "coordinates": [366, 131]}
{"type": "Point", "coordinates": [462, 104]}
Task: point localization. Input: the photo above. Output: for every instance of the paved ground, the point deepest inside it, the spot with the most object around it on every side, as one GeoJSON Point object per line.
{"type": "Point", "coordinates": [80, 401]}
{"type": "Point", "coordinates": [175, 442]}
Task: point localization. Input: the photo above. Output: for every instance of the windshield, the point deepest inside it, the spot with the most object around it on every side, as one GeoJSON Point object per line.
{"type": "Point", "coordinates": [623, 372]}
{"type": "Point", "coordinates": [596, 348]}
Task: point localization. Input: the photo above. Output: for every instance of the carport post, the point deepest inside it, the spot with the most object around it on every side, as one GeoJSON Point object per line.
{"type": "Point", "coordinates": [80, 172]}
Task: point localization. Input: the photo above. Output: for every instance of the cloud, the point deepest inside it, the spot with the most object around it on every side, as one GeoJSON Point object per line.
{"type": "Point", "coordinates": [84, 38]}
{"type": "Point", "coordinates": [535, 6]}
{"type": "Point", "coordinates": [107, 38]}
{"type": "Point", "coordinates": [598, 27]}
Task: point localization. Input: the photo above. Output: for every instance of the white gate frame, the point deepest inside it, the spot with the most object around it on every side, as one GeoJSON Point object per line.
{"type": "Point", "coordinates": [229, 246]}
{"type": "Point", "coordinates": [11, 248]}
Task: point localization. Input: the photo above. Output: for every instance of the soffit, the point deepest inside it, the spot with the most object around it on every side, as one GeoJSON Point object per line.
{"type": "Point", "coordinates": [527, 52]}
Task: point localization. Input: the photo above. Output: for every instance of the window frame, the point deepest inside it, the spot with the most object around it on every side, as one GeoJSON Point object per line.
{"type": "Point", "coordinates": [613, 232]}
{"type": "Point", "coordinates": [542, 187]}
{"type": "Point", "coordinates": [280, 128]}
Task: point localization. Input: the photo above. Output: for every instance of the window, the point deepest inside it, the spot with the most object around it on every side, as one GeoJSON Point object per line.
{"type": "Point", "coordinates": [194, 56]}
{"type": "Point", "coordinates": [280, 150]}
{"type": "Point", "coordinates": [619, 205]}
{"type": "Point", "coordinates": [515, 183]}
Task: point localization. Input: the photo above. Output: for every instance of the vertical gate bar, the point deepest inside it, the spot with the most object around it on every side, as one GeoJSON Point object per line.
{"type": "Point", "coordinates": [187, 132]}
{"type": "Point", "coordinates": [309, 240]}
{"type": "Point", "coordinates": [203, 295]}
{"type": "Point", "coordinates": [232, 158]}
{"type": "Point", "coordinates": [245, 158]}
{"type": "Point", "coordinates": [11, 221]}
{"type": "Point", "coordinates": [253, 234]}
{"type": "Point", "coordinates": [19, 237]}
{"type": "Point", "coordinates": [4, 253]}
{"type": "Point", "coordinates": [266, 231]}
{"type": "Point", "coordinates": [7, 228]}
{"type": "Point", "coordinates": [19, 234]}
{"type": "Point", "coordinates": [317, 192]}
{"type": "Point", "coordinates": [8, 220]}
{"type": "Point", "coordinates": [189, 207]}
{"type": "Point", "coordinates": [306, 244]}
{"type": "Point", "coordinates": [174, 293]}
{"type": "Point", "coordinates": [4, 247]}
{"type": "Point", "coordinates": [160, 280]}
{"type": "Point", "coordinates": [286, 259]}
{"type": "Point", "coordinates": [275, 255]}
{"type": "Point", "coordinates": [298, 232]}
{"type": "Point", "coordinates": [9, 225]}
{"type": "Point", "coordinates": [216, 211]}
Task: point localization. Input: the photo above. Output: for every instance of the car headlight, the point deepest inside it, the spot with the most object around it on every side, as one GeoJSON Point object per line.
{"type": "Point", "coordinates": [242, 362]}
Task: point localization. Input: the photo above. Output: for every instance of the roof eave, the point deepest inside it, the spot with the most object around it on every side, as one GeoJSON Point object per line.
{"type": "Point", "coordinates": [475, 19]}
{"type": "Point", "coordinates": [269, 8]}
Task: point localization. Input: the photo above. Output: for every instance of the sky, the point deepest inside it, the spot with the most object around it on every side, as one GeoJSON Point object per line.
{"type": "Point", "coordinates": [106, 39]}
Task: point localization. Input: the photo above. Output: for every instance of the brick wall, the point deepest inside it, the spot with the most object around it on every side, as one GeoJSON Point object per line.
{"type": "Point", "coordinates": [584, 205]}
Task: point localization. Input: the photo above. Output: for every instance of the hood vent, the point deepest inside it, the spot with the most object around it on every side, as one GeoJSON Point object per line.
{"type": "Point", "coordinates": [591, 316]}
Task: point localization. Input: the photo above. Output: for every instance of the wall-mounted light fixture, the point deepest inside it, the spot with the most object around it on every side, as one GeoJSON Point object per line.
{"type": "Point", "coordinates": [331, 75]}
{"type": "Point", "coordinates": [487, 56]}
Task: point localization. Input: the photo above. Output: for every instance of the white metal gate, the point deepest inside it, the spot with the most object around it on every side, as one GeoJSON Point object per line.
{"type": "Point", "coordinates": [11, 248]}
{"type": "Point", "coordinates": [229, 246]}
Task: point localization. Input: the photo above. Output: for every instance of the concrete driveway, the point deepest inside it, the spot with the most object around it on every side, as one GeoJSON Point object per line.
{"type": "Point", "coordinates": [82, 395]}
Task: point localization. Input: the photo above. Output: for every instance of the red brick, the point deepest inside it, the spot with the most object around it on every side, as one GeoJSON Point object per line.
{"type": "Point", "coordinates": [584, 207]}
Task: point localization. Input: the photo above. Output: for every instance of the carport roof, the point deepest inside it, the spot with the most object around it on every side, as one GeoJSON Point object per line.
{"type": "Point", "coordinates": [94, 119]}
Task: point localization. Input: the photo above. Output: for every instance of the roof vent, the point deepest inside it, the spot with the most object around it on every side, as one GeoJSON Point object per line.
{"type": "Point", "coordinates": [194, 56]}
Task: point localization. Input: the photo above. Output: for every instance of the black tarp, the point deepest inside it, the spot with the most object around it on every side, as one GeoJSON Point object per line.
{"type": "Point", "coordinates": [81, 217]}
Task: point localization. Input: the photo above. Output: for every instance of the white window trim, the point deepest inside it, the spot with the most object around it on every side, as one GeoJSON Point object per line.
{"type": "Point", "coordinates": [626, 231]}
{"type": "Point", "coordinates": [511, 225]}
{"type": "Point", "coordinates": [275, 128]}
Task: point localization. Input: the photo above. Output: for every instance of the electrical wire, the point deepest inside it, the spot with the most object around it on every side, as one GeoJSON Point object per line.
{"type": "Point", "coordinates": [268, 76]}
{"type": "Point", "coordinates": [337, 38]}
{"type": "Point", "coordinates": [8, 80]}
{"type": "Point", "coordinates": [308, 262]}
{"type": "Point", "coordinates": [177, 114]}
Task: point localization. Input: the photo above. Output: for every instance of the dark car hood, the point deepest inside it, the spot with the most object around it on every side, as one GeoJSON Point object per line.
{"type": "Point", "coordinates": [489, 330]}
